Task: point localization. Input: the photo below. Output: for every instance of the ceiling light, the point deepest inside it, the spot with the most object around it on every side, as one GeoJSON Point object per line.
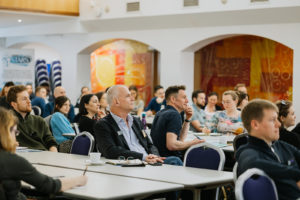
{"type": "Point", "coordinates": [19, 20]}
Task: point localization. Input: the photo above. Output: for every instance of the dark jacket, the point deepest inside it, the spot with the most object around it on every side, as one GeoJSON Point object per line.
{"type": "Point", "coordinates": [284, 171]}
{"type": "Point", "coordinates": [112, 145]}
{"type": "Point", "coordinates": [34, 132]}
{"type": "Point", "coordinates": [15, 168]}
{"type": "Point", "coordinates": [290, 137]}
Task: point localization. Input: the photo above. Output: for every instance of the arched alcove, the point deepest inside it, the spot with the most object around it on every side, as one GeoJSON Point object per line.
{"type": "Point", "coordinates": [264, 65]}
{"type": "Point", "coordinates": [119, 61]}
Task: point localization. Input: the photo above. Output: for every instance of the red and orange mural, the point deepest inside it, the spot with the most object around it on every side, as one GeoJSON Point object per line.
{"type": "Point", "coordinates": [265, 66]}
{"type": "Point", "coordinates": [123, 62]}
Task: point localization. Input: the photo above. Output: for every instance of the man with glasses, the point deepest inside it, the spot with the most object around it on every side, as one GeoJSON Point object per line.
{"type": "Point", "coordinates": [120, 134]}
{"type": "Point", "coordinates": [34, 132]}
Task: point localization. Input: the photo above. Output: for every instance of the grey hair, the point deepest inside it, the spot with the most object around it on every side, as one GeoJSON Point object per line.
{"type": "Point", "coordinates": [112, 93]}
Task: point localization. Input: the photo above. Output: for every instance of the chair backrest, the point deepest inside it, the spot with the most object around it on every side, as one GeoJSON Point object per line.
{"type": "Point", "coordinates": [234, 171]}
{"type": "Point", "coordinates": [36, 110]}
{"type": "Point", "coordinates": [83, 143]}
{"type": "Point", "coordinates": [205, 156]}
{"type": "Point", "coordinates": [255, 184]}
{"type": "Point", "coordinates": [240, 140]}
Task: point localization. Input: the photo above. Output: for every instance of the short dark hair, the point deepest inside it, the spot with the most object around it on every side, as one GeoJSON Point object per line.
{"type": "Point", "coordinates": [133, 87]}
{"type": "Point", "coordinates": [196, 92]}
{"type": "Point", "coordinates": [85, 100]}
{"type": "Point", "coordinates": [9, 84]}
{"type": "Point", "coordinates": [212, 94]}
{"type": "Point", "coordinates": [254, 110]}
{"type": "Point", "coordinates": [157, 87]}
{"type": "Point", "coordinates": [283, 108]}
{"type": "Point", "coordinates": [59, 102]}
{"type": "Point", "coordinates": [13, 91]}
{"type": "Point", "coordinates": [173, 90]}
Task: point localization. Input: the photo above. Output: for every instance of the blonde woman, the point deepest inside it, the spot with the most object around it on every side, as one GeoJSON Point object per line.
{"type": "Point", "coordinates": [15, 169]}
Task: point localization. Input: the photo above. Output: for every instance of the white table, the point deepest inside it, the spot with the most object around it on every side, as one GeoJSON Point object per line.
{"type": "Point", "coordinates": [187, 176]}
{"type": "Point", "coordinates": [104, 186]}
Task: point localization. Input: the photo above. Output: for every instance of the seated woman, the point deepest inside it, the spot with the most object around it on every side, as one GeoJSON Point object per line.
{"type": "Point", "coordinates": [103, 108]}
{"type": "Point", "coordinates": [211, 107]}
{"type": "Point", "coordinates": [138, 103]}
{"type": "Point", "coordinates": [15, 169]}
{"type": "Point", "coordinates": [228, 120]}
{"type": "Point", "coordinates": [287, 117]}
{"type": "Point", "coordinates": [88, 109]}
{"type": "Point", "coordinates": [60, 124]}
{"type": "Point", "coordinates": [243, 100]}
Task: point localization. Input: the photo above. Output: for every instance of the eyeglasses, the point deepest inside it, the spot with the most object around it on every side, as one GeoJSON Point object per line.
{"type": "Point", "coordinates": [14, 131]}
{"type": "Point", "coordinates": [123, 159]}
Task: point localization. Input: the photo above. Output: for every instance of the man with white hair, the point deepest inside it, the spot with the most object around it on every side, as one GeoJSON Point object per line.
{"type": "Point", "coordinates": [49, 108]}
{"type": "Point", "coordinates": [120, 134]}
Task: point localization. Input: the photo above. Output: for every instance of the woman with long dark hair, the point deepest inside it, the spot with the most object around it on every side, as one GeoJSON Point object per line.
{"type": "Point", "coordinates": [60, 124]}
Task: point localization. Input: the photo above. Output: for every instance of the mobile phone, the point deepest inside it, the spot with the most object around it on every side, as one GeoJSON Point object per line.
{"type": "Point", "coordinates": [156, 164]}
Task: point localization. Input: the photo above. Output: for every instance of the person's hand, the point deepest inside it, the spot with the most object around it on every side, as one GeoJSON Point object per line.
{"type": "Point", "coordinates": [149, 113]}
{"type": "Point", "coordinates": [196, 141]}
{"type": "Point", "coordinates": [53, 149]}
{"type": "Point", "coordinates": [82, 180]}
{"type": "Point", "coordinates": [159, 100]}
{"type": "Point", "coordinates": [151, 158]}
{"type": "Point", "coordinates": [188, 112]}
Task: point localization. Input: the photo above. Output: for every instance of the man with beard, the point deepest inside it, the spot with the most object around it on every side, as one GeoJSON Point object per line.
{"type": "Point", "coordinates": [198, 118]}
{"type": "Point", "coordinates": [34, 132]}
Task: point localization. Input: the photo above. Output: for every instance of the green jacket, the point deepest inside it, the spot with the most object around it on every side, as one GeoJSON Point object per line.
{"type": "Point", "coordinates": [34, 132]}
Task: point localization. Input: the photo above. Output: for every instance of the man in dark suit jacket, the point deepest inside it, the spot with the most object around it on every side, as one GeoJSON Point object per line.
{"type": "Point", "coordinates": [119, 134]}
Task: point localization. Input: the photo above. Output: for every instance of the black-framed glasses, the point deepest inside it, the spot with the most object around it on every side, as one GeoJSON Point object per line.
{"type": "Point", "coordinates": [123, 159]}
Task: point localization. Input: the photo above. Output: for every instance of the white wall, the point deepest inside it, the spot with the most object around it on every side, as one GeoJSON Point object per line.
{"type": "Point", "coordinates": [176, 47]}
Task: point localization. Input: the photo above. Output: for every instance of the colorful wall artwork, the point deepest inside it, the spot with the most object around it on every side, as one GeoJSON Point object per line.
{"type": "Point", "coordinates": [125, 62]}
{"type": "Point", "coordinates": [265, 66]}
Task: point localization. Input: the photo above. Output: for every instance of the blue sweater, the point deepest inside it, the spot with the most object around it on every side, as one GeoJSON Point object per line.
{"type": "Point", "coordinates": [154, 106]}
{"type": "Point", "coordinates": [59, 125]}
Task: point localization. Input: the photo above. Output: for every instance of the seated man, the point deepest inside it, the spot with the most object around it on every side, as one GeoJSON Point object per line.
{"type": "Point", "coordinates": [264, 151]}
{"type": "Point", "coordinates": [49, 108]}
{"type": "Point", "coordinates": [120, 134]}
{"type": "Point", "coordinates": [198, 118]}
{"type": "Point", "coordinates": [34, 132]}
{"type": "Point", "coordinates": [39, 99]}
{"type": "Point", "coordinates": [168, 133]}
{"type": "Point", "coordinates": [158, 102]}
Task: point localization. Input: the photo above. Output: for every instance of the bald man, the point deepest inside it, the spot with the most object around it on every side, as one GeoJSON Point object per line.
{"type": "Point", "coordinates": [49, 108]}
{"type": "Point", "coordinates": [120, 134]}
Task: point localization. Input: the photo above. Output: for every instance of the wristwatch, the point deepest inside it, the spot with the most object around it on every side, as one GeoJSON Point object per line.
{"type": "Point", "coordinates": [186, 120]}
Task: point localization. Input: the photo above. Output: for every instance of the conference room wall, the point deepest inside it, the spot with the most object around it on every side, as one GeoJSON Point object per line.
{"type": "Point", "coordinates": [176, 47]}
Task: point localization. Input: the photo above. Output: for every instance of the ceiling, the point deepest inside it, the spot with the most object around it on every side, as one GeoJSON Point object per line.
{"type": "Point", "coordinates": [10, 18]}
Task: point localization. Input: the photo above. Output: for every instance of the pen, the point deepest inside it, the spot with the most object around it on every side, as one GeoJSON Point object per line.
{"type": "Point", "coordinates": [198, 137]}
{"type": "Point", "coordinates": [85, 170]}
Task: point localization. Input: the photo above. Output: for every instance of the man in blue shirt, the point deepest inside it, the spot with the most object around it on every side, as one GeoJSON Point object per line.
{"type": "Point", "coordinates": [198, 119]}
{"type": "Point", "coordinates": [168, 133]}
{"type": "Point", "coordinates": [158, 102]}
{"type": "Point", "coordinates": [39, 99]}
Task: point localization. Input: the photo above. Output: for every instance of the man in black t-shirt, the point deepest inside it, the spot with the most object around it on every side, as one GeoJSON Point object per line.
{"type": "Point", "coordinates": [168, 133]}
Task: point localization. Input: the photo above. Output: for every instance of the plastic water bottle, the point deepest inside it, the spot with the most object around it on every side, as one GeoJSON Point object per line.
{"type": "Point", "coordinates": [144, 120]}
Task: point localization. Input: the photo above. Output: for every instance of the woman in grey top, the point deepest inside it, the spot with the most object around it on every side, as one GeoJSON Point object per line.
{"type": "Point", "coordinates": [138, 103]}
{"type": "Point", "coordinates": [14, 169]}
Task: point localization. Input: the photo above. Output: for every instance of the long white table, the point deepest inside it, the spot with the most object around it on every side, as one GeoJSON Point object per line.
{"type": "Point", "coordinates": [187, 176]}
{"type": "Point", "coordinates": [104, 186]}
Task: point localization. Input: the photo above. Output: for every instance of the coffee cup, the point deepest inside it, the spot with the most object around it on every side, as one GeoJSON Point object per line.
{"type": "Point", "coordinates": [95, 157]}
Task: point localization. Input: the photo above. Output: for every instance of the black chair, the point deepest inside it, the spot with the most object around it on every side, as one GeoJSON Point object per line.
{"type": "Point", "coordinates": [205, 156]}
{"type": "Point", "coordinates": [2, 192]}
{"type": "Point", "coordinates": [83, 143]}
